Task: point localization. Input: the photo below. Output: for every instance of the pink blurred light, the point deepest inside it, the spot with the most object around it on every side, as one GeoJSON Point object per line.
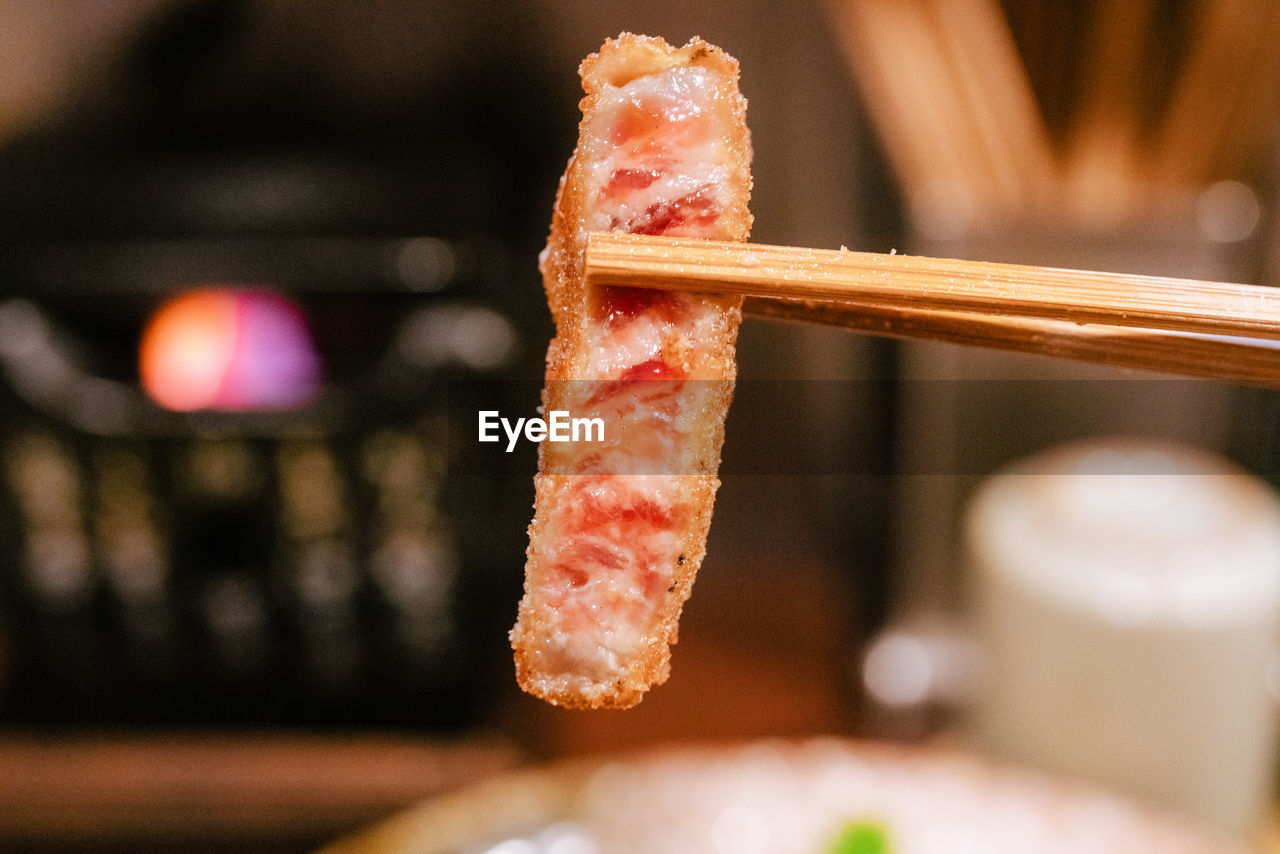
{"type": "Point", "coordinates": [227, 349]}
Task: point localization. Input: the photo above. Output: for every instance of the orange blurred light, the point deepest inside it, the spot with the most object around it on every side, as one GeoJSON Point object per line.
{"type": "Point", "coordinates": [187, 349]}
{"type": "Point", "coordinates": [230, 350]}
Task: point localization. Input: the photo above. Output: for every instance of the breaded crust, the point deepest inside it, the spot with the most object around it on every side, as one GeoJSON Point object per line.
{"type": "Point", "coordinates": [710, 358]}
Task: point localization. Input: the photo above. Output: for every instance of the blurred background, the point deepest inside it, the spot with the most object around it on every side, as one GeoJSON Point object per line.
{"type": "Point", "coordinates": [259, 602]}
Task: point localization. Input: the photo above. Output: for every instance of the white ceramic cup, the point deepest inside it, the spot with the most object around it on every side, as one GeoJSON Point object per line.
{"type": "Point", "coordinates": [1128, 602]}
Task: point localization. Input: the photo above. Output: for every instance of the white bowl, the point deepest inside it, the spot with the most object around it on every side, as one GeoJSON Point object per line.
{"type": "Point", "coordinates": [779, 797]}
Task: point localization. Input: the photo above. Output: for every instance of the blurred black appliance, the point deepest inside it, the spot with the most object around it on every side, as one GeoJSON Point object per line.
{"type": "Point", "coordinates": [328, 563]}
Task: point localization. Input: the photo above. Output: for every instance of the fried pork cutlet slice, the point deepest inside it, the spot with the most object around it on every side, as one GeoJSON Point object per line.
{"type": "Point", "coordinates": [620, 525]}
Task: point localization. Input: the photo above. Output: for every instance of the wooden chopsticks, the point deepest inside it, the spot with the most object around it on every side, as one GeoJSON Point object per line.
{"type": "Point", "coordinates": [1242, 360]}
{"type": "Point", "coordinates": [1182, 326]}
{"type": "Point", "coordinates": [789, 272]}
{"type": "Point", "coordinates": [1109, 134]}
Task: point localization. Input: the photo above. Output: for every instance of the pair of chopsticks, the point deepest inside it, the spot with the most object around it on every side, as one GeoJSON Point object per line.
{"type": "Point", "coordinates": [949, 95]}
{"type": "Point", "coordinates": [1135, 137]}
{"type": "Point", "coordinates": [1178, 326]}
{"type": "Point", "coordinates": [949, 86]}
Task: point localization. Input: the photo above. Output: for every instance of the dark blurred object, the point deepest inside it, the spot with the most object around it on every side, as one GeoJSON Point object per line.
{"type": "Point", "coordinates": [380, 166]}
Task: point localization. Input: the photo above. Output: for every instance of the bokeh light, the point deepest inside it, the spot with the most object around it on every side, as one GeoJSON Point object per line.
{"type": "Point", "coordinates": [228, 349]}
